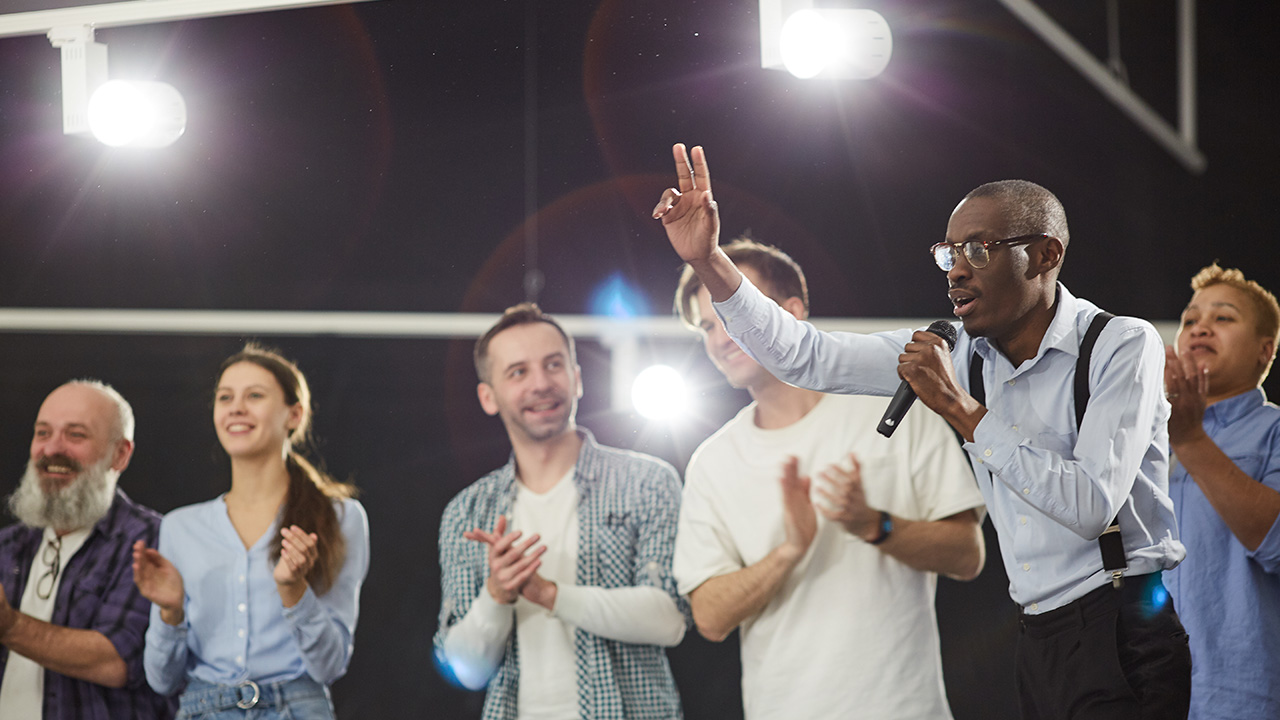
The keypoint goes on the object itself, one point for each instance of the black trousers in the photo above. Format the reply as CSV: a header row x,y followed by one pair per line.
x,y
1114,654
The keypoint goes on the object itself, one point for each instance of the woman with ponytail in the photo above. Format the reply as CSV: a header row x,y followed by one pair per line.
x,y
255,593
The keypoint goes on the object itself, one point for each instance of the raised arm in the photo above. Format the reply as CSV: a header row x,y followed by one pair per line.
x,y
692,220
1246,504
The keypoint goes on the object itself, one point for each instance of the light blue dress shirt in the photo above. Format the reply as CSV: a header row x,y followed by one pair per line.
x,y
236,627
1228,596
1050,490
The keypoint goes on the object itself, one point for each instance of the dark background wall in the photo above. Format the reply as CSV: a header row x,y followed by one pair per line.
x,y
397,155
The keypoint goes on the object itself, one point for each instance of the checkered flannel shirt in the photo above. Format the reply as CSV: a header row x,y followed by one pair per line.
x,y
627,512
96,593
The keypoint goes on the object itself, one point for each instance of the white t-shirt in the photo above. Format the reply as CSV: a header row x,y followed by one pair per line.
x,y
22,689
852,632
548,668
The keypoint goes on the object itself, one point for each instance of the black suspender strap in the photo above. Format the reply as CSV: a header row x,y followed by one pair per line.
x,y
1082,363
1110,544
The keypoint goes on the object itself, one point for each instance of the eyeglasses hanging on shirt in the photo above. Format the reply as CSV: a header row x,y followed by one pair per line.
x,y
51,556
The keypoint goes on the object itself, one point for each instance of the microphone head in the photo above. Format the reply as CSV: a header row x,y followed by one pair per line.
x,y
946,331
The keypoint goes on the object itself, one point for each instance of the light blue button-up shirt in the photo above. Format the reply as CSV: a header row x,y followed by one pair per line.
x,y
1051,490
1227,596
236,627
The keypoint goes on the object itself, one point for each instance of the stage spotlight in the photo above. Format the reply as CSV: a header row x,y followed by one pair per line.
x,y
137,114
831,42
658,393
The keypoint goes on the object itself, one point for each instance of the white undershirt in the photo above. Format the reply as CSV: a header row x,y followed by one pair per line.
x,y
22,688
474,647
548,687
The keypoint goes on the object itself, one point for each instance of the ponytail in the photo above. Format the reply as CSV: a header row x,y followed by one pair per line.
x,y
310,505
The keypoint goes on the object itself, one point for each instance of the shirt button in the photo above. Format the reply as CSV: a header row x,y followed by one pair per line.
x,y
1015,429
1026,491
239,659
980,461
1013,381
1026,567
242,577
987,452
241,633
241,607
1035,606
1022,520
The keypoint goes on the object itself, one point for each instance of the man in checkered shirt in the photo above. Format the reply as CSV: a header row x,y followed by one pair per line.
x,y
71,619
557,591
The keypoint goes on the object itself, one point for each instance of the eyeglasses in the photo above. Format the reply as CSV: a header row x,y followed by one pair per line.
x,y
976,251
44,586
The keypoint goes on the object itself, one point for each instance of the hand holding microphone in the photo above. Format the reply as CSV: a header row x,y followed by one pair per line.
x,y
903,399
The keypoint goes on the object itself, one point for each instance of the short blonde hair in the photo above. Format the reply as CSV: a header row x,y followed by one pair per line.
x,y
1267,309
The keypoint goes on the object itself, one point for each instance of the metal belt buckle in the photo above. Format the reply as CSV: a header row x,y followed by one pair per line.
x,y
244,704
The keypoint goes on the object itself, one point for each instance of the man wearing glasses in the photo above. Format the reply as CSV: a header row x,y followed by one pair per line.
x,y
71,619
1098,639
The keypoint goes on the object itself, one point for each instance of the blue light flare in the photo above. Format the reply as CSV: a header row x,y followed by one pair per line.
x,y
616,298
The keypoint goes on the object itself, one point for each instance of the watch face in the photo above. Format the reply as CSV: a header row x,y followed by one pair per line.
x,y
886,527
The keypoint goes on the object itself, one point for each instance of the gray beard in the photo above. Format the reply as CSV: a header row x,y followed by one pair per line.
x,y
83,502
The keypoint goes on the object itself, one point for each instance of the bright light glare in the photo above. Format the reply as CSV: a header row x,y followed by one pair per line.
x,y
835,43
809,43
137,114
658,393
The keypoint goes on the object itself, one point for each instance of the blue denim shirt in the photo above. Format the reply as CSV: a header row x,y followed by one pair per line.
x,y
1228,596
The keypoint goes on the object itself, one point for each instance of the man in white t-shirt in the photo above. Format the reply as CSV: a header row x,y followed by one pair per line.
x,y
832,581
556,587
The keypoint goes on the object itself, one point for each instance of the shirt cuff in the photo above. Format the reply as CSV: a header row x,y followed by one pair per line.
x,y
1268,553
570,603
994,443
489,611
306,607
171,633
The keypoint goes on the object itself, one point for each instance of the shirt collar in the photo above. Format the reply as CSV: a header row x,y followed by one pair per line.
x,y
585,474
1236,407
1062,334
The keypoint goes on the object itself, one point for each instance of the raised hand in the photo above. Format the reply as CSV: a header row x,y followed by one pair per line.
x,y
1187,388
158,581
798,517
510,564
689,214
298,553
847,501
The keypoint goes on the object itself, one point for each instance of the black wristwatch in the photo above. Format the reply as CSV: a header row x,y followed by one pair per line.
x,y
886,528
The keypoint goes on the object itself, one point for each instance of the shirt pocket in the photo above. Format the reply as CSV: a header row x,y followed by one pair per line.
x,y
1251,464
616,548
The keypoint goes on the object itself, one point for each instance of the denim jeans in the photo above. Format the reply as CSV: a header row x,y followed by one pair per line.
x,y
298,699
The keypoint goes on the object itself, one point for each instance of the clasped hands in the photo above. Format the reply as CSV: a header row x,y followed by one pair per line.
x,y
513,566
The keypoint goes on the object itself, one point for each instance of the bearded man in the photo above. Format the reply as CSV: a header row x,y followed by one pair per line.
x,y
71,619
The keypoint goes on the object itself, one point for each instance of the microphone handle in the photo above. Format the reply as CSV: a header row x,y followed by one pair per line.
x,y
898,406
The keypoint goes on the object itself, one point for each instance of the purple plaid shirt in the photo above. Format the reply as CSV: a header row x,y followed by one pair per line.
x,y
96,593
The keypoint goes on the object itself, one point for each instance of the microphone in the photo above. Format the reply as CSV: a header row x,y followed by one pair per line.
x,y
905,396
